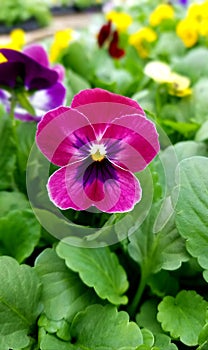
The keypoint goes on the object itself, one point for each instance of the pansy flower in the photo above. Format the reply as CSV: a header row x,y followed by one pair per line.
x,y
111,37
29,73
178,85
99,142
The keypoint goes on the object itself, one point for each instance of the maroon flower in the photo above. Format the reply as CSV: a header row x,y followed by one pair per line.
x,y
104,33
113,49
112,38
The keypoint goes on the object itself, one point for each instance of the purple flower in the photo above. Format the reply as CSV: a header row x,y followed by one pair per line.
x,y
98,142
29,72
183,2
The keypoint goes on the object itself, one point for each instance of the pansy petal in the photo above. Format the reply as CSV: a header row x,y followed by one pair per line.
x,y
131,142
4,99
35,76
38,53
64,135
89,96
101,106
9,71
78,187
65,188
60,70
95,174
45,100
112,189
42,101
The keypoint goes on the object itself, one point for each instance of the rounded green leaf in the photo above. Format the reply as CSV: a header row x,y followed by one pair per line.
x,y
148,337
191,207
98,268
19,303
163,342
19,234
103,327
183,316
63,293
12,201
147,317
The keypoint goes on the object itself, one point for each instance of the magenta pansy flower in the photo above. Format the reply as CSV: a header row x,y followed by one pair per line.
x,y
98,143
29,71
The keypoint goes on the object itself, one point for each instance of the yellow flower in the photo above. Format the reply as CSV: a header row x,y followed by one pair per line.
x,y
141,40
203,27
178,85
2,58
187,31
158,71
121,20
62,38
198,11
161,12
17,40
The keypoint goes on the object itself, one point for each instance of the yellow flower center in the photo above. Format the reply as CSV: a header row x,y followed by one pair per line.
x,y
98,152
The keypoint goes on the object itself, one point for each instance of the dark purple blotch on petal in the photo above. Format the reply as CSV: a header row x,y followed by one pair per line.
x,y
99,170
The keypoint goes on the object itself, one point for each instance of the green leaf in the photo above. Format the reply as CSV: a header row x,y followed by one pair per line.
x,y
155,251
189,64
12,201
183,316
168,45
148,337
200,100
26,138
163,342
98,328
103,327
162,283
147,317
8,157
19,233
98,268
50,342
191,207
63,294
78,58
76,82
202,133
203,338
169,159
60,327
19,303
186,129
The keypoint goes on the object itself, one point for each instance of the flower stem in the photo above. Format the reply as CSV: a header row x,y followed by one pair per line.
x,y
137,298
12,108
14,132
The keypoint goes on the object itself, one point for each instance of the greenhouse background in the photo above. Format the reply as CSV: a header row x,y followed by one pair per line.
x,y
103,175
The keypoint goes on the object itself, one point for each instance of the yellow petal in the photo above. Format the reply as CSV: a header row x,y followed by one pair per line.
x,y
2,58
158,71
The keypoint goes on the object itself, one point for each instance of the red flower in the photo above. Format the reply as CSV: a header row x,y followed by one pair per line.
x,y
113,49
106,33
